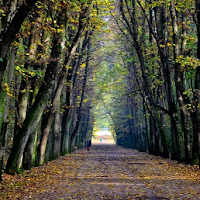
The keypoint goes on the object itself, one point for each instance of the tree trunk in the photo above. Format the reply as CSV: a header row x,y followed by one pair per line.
x,y
75,129
50,118
163,52
183,100
57,135
44,139
5,108
29,152
60,86
146,85
33,117
23,102
7,36
196,119
2,145
64,134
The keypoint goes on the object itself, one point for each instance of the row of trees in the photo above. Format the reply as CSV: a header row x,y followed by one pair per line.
x,y
158,110
44,69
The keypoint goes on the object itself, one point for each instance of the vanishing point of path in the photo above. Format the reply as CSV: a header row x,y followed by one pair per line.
x,y
107,171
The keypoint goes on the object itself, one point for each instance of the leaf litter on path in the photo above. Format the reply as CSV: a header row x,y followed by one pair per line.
x,y
105,172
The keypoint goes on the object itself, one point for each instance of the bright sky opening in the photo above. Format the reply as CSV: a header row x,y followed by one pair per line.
x,y
104,132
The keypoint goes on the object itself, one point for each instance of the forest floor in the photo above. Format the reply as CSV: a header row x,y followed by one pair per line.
x,y
107,171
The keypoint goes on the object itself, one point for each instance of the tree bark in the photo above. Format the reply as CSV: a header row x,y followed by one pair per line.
x,y
75,129
33,117
146,85
29,152
182,99
5,108
60,86
196,119
8,34
57,135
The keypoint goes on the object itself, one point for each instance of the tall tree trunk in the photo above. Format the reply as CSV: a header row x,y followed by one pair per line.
x,y
49,121
5,108
33,117
64,138
61,84
196,119
75,129
183,100
57,135
3,146
29,152
137,45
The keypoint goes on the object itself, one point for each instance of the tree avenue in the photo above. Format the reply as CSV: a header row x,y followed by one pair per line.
x,y
69,68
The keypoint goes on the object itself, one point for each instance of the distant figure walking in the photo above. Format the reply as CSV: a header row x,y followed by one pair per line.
x,y
101,140
89,143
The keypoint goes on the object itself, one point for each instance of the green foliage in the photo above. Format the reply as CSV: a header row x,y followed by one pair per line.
x,y
187,62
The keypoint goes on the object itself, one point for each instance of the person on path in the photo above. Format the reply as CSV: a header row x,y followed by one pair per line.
x,y
89,143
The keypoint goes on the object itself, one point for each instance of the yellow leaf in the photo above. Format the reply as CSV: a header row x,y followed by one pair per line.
x,y
68,67
85,100
23,91
83,65
168,44
59,30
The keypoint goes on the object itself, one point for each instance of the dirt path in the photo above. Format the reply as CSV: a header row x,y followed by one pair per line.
x,y
105,172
